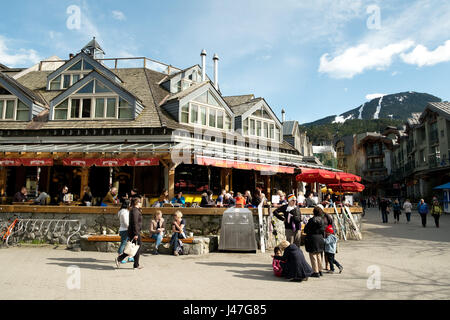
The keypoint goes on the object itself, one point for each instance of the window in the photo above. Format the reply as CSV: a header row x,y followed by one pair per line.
x,y
203,115
89,88
71,75
227,122
55,84
100,107
185,114
258,128
125,110
277,134
194,113
111,107
266,130
252,127
245,126
61,110
220,119
271,135
212,117
23,112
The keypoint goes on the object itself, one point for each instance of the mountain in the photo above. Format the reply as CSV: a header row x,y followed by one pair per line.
x,y
398,106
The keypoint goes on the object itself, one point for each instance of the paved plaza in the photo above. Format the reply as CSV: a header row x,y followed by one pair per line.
x,y
409,261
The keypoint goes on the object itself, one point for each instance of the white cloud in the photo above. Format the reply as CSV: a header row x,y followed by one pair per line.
x,y
118,15
372,96
421,56
356,60
20,57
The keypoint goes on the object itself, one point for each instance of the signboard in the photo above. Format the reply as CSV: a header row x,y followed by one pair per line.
x,y
28,162
112,162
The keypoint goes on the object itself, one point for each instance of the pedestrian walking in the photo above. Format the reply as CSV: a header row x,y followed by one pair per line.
x,y
384,208
397,211
290,214
124,216
330,249
407,206
436,212
134,232
314,243
422,207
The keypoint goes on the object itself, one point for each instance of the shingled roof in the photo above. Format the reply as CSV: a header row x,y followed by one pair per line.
x,y
237,100
35,97
443,108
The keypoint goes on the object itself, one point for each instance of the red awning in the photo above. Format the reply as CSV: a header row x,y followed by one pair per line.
x,y
349,177
244,165
27,162
348,186
112,162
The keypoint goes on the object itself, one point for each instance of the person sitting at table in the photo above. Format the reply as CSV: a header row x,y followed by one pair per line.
x,y
21,196
62,195
220,198
229,200
240,200
134,193
207,200
163,198
87,197
111,197
178,199
248,198
328,202
257,198
41,198
310,202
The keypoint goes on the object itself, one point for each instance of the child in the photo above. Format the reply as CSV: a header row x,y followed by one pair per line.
x,y
330,249
276,264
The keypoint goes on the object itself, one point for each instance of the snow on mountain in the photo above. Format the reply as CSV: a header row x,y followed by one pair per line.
x,y
341,119
377,112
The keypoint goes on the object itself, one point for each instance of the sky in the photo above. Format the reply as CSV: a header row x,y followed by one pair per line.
x,y
312,58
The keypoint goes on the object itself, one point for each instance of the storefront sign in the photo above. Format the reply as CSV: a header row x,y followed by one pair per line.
x,y
224,163
113,162
28,162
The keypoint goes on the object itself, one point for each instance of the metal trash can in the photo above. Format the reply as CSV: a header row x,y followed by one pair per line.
x,y
237,232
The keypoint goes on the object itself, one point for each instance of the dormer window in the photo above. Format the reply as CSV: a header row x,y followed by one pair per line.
x,y
71,75
13,109
261,124
94,100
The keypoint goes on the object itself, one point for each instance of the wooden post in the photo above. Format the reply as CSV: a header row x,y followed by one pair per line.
x,y
171,178
2,180
267,184
84,180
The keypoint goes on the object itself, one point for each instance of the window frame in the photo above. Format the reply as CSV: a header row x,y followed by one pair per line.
x,y
15,99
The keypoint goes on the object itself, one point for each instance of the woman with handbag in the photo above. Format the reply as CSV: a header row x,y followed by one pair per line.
x,y
134,234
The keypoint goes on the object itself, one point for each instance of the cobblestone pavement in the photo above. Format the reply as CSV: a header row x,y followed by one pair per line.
x,y
413,263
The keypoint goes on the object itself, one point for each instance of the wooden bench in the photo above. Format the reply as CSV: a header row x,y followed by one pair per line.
x,y
116,238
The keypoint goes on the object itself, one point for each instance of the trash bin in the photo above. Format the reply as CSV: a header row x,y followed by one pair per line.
x,y
237,232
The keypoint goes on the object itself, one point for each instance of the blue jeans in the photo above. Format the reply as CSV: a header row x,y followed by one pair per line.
x,y
174,241
384,215
158,237
123,240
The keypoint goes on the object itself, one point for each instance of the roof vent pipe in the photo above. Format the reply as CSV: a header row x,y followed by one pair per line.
x,y
216,71
283,115
203,55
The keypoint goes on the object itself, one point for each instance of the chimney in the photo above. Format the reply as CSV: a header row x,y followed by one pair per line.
x,y
283,116
216,70
70,56
203,55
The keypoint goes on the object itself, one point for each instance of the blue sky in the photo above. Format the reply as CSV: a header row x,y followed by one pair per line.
x,y
312,58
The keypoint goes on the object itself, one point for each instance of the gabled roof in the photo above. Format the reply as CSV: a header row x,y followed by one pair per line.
x,y
289,127
442,108
237,100
93,44
81,55
240,109
261,102
180,95
33,96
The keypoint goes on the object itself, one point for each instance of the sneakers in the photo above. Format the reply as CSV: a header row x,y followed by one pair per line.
x,y
124,261
340,269
331,271
139,268
176,253
155,252
117,263
315,275
320,273
130,259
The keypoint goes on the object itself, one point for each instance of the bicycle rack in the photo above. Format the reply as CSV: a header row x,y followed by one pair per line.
x,y
43,226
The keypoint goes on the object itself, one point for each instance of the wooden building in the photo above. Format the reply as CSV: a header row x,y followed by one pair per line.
x,y
85,121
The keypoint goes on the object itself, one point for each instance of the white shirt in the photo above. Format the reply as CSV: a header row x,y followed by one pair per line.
x,y
124,216
407,206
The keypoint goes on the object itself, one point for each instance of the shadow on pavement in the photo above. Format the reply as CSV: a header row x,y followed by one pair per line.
x,y
84,263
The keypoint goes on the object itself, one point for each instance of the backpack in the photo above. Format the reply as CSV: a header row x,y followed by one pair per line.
x,y
277,269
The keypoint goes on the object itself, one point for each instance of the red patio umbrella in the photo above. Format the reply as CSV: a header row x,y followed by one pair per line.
x,y
348,177
318,175
348,187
